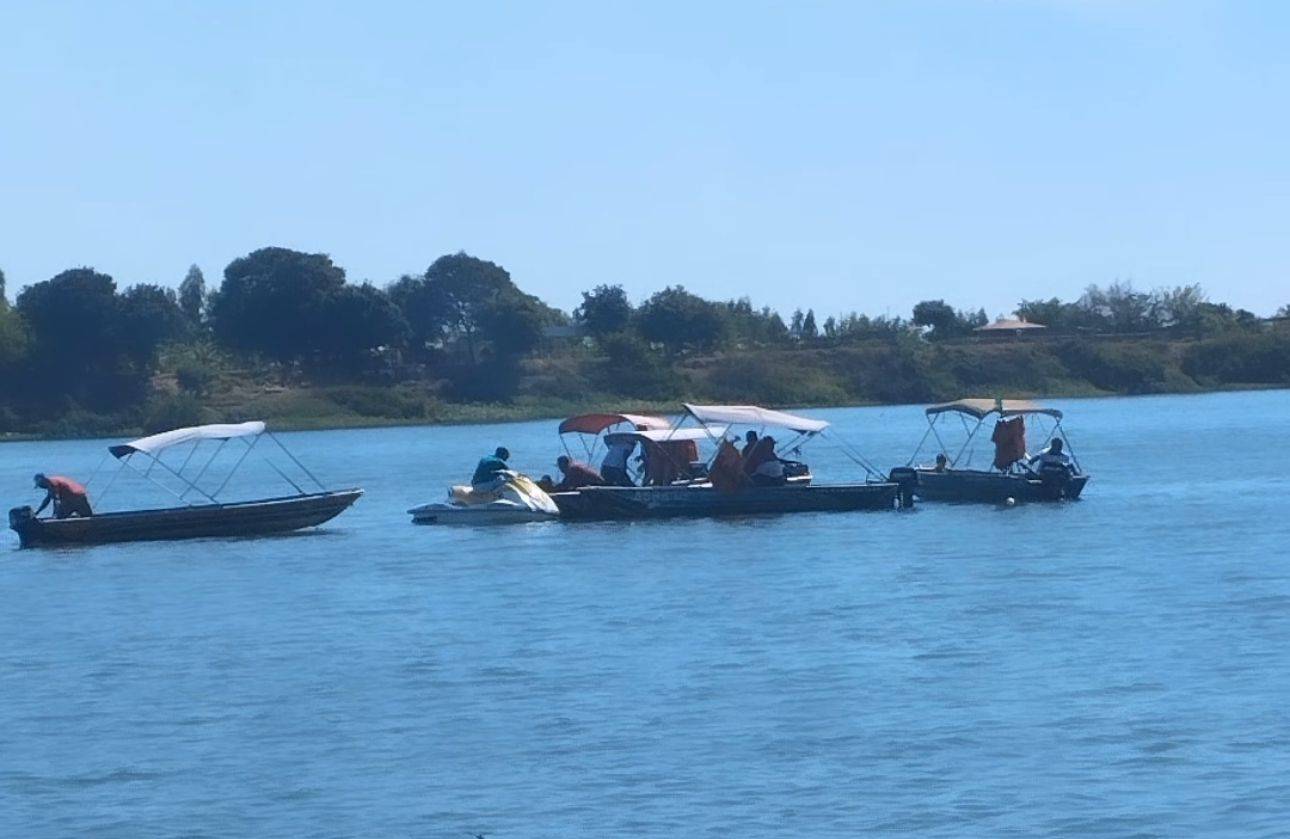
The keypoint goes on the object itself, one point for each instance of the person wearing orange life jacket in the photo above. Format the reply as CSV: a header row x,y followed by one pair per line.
x,y
67,496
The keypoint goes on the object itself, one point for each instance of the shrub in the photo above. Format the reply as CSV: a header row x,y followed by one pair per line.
x,y
385,402
195,377
1241,358
176,411
1127,368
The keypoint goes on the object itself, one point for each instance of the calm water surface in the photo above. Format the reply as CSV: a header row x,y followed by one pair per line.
x,y
1114,666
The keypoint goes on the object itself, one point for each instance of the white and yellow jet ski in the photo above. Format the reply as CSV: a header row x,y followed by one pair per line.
x,y
517,499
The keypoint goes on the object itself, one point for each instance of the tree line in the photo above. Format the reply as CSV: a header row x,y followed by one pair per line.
x,y
78,341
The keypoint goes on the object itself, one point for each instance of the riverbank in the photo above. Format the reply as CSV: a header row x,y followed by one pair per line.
x,y
575,380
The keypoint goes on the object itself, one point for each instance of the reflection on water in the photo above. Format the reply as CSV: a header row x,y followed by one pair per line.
x,y
1116,665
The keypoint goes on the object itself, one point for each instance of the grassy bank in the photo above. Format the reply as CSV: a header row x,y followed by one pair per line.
x,y
908,370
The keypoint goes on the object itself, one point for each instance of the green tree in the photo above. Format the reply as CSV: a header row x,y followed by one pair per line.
x,y
944,321
810,331
677,319
358,322
469,302
13,339
78,350
148,316
423,311
604,310
73,320
192,295
272,301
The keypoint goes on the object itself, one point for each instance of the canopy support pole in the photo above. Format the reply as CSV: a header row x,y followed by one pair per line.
x,y
285,477
233,472
157,461
218,449
148,477
968,442
288,453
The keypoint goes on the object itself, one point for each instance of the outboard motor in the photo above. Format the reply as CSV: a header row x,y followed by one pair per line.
x,y
20,521
906,478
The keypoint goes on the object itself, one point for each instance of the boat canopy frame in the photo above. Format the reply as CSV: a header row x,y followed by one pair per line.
x,y
724,417
981,410
153,447
590,428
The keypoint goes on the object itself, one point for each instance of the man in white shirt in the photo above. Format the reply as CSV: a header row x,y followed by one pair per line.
x,y
614,467
1052,460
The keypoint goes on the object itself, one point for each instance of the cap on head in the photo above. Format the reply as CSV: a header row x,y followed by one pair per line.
x,y
562,461
751,436
40,480
1056,444
502,452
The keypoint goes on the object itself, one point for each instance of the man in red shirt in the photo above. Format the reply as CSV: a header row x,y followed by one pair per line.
x,y
69,497
576,475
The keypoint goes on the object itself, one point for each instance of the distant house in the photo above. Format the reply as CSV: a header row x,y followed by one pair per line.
x,y
1005,328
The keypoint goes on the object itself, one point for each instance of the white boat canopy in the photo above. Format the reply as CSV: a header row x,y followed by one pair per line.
x,y
160,442
669,435
753,415
982,408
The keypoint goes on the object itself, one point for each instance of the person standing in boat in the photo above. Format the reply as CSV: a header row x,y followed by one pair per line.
x,y
614,467
68,497
489,473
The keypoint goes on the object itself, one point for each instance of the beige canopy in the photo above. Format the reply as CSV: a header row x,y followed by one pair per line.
x,y
982,408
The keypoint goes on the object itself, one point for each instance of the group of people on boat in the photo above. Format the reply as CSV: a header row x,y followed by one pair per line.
x,y
758,464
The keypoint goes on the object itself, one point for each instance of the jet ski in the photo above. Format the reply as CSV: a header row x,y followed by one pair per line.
x,y
516,500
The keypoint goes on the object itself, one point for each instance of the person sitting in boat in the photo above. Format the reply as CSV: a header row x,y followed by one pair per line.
x,y
1054,461
614,467
762,465
750,443
489,475
576,475
68,497
942,463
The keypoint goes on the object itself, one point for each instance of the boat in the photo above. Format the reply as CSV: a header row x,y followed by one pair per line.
x,y
1008,477
208,517
703,490
517,501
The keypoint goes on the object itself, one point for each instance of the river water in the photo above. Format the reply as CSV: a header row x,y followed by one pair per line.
x,y
1119,665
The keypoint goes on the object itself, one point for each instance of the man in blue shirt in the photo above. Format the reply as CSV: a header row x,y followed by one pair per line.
x,y
488,473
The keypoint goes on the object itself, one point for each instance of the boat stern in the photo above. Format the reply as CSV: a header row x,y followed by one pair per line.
x,y
23,521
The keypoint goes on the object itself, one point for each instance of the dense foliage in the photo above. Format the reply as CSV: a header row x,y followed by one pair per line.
x,y
287,334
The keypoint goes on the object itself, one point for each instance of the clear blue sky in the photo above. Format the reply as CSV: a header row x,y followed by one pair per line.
x,y
833,155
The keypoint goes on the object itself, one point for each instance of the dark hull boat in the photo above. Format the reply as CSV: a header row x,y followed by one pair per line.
x,y
704,500
1014,476
993,487
246,518
188,520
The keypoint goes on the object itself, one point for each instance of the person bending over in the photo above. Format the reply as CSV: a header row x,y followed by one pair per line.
x,y
67,496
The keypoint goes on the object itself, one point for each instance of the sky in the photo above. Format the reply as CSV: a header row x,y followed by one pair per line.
x,y
837,156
